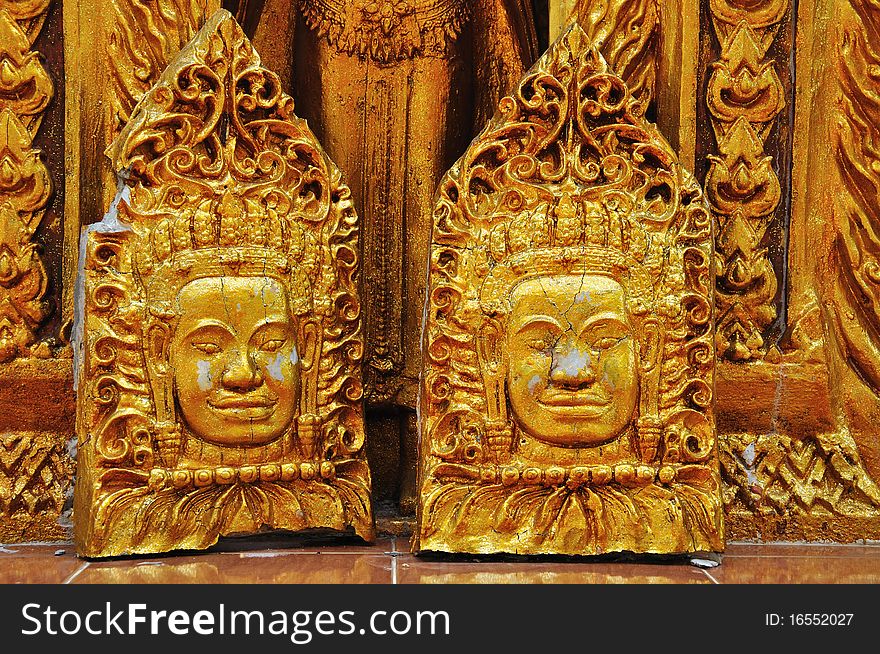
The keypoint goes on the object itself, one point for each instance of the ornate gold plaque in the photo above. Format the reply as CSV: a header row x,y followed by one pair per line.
x,y
567,398
219,384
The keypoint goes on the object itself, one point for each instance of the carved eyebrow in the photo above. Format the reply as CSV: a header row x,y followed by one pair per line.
x,y
210,325
602,320
520,326
271,323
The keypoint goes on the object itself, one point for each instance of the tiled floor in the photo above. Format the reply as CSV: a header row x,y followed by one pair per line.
x,y
389,561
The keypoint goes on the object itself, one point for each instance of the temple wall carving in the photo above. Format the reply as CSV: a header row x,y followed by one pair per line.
x,y
773,105
35,395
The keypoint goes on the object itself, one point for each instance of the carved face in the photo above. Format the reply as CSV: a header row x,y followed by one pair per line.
x,y
234,360
572,375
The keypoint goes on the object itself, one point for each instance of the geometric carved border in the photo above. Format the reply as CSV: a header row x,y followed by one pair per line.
x,y
36,473
782,488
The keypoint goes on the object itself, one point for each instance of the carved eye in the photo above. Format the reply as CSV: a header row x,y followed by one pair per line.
x,y
207,347
608,342
272,344
539,344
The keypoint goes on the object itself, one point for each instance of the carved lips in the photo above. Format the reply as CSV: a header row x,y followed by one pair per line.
x,y
244,407
575,402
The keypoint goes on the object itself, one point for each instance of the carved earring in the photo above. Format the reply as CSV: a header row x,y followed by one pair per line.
x,y
309,422
648,427
167,437
493,365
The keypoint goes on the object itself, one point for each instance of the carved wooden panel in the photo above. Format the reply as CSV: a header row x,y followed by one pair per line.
x,y
35,399
568,384
809,470
25,185
219,379
745,97
116,50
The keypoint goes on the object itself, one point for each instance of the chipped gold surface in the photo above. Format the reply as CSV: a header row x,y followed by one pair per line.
x,y
567,393
219,388
115,50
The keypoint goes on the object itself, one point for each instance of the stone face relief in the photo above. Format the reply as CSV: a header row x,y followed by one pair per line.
x,y
567,397
219,384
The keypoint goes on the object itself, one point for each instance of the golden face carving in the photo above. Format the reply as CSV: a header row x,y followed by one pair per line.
x,y
566,403
234,360
221,377
573,370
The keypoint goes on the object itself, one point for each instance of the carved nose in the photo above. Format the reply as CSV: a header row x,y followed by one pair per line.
x,y
572,367
241,373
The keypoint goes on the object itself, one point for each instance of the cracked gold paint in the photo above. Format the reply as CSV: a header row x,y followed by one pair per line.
x,y
219,384
563,357
226,370
569,362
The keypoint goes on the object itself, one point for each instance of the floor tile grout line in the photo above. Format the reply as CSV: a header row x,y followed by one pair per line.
x,y
76,573
708,574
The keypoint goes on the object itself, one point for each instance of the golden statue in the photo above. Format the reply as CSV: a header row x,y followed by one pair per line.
x,y
219,384
395,90
568,384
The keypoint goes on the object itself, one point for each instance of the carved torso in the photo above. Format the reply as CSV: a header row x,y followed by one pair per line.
x,y
388,30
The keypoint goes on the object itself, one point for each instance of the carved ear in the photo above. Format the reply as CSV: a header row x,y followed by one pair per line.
x,y
650,344
493,365
308,344
157,346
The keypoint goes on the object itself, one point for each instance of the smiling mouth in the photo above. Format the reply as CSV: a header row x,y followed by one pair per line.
x,y
244,407
575,402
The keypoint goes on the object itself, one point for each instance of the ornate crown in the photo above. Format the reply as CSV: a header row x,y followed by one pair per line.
x,y
228,235
225,179
576,234
568,178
